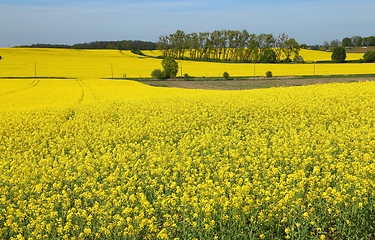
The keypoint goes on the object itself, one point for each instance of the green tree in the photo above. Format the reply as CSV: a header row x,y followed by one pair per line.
x,y
347,42
280,45
369,41
265,42
186,76
338,54
225,45
269,74
357,41
335,43
157,74
252,49
170,67
226,75
298,59
369,57
303,46
269,56
291,47
164,45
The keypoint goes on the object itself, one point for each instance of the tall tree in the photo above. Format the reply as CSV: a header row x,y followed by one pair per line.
x,y
371,41
280,45
291,47
228,45
266,41
269,56
233,38
170,67
202,39
243,39
252,50
347,42
357,41
215,37
194,46
164,45
179,44
335,43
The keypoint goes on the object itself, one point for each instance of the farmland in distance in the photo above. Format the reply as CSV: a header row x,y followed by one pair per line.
x,y
68,63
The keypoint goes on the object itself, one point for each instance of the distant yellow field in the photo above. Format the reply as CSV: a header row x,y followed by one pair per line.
x,y
18,62
314,55
75,63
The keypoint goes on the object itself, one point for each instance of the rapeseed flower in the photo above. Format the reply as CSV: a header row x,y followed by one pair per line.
x,y
119,159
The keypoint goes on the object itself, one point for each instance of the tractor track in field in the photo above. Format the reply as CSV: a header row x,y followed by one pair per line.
x,y
90,90
84,89
34,83
82,96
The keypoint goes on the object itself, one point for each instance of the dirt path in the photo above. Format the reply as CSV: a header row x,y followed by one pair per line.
x,y
251,83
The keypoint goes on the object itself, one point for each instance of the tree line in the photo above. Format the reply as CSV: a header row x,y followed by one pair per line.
x,y
120,45
358,41
230,45
354,41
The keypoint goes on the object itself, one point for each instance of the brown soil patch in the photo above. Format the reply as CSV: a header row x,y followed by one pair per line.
x,y
251,83
360,49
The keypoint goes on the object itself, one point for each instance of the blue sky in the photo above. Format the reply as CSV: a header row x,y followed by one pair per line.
x,y
69,22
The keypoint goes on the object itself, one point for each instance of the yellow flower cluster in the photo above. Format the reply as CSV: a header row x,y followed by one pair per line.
x,y
68,63
105,159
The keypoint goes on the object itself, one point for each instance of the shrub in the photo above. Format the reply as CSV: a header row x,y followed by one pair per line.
x,y
269,56
138,52
355,61
338,54
186,76
269,74
287,60
226,75
170,67
157,74
368,57
298,59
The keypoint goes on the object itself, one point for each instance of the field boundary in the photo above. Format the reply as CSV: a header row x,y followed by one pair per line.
x,y
36,78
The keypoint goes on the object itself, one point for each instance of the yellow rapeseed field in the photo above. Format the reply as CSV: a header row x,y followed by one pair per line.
x,y
68,63
314,55
75,63
115,159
